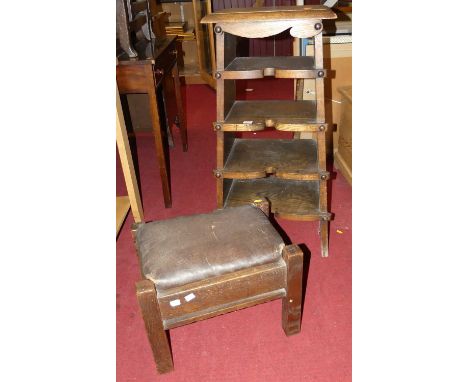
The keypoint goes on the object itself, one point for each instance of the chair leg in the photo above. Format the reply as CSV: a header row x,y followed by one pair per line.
x,y
292,303
157,336
324,236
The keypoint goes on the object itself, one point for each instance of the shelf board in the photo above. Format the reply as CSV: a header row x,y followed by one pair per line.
x,y
279,67
289,199
286,158
282,115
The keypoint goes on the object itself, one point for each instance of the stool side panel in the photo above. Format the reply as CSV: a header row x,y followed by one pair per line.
x,y
229,289
223,309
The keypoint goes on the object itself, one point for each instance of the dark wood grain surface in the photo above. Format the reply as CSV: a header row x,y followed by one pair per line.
x,y
292,303
287,158
216,293
157,336
282,115
291,199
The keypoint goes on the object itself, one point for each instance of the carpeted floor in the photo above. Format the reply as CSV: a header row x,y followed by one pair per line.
x,y
247,345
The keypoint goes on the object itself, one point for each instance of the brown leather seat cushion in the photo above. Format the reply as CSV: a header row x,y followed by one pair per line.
x,y
190,248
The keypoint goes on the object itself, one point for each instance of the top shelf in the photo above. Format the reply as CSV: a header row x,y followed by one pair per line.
x,y
236,15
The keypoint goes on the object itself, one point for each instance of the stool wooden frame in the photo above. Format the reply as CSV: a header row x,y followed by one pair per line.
x,y
222,294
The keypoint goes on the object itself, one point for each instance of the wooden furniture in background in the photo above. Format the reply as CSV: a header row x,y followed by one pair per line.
x,y
133,199
233,259
149,66
344,154
291,174
196,43
138,20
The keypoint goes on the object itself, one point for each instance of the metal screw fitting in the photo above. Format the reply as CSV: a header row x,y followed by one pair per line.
x,y
159,71
217,75
318,26
217,174
174,51
218,127
218,29
322,128
320,73
323,177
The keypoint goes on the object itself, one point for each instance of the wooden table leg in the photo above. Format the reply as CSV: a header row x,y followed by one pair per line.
x,y
158,139
157,336
292,303
182,123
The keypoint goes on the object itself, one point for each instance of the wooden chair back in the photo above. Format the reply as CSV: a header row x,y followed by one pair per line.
x,y
139,21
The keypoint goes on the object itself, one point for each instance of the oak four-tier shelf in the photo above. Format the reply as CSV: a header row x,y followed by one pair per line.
x,y
290,173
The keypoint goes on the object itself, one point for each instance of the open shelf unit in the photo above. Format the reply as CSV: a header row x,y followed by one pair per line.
x,y
194,42
290,173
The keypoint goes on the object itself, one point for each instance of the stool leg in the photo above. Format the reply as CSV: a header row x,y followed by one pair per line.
x,y
180,107
292,303
157,336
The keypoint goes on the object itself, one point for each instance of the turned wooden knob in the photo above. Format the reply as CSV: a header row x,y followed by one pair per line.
x,y
269,123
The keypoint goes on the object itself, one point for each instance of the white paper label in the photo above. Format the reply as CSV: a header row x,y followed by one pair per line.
x,y
174,303
189,297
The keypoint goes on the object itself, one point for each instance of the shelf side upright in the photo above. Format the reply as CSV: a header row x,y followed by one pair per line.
x,y
321,144
225,97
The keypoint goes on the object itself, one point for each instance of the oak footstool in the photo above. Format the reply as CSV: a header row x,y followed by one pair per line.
x,y
200,266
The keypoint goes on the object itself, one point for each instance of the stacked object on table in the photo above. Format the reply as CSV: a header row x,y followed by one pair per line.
x,y
179,29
